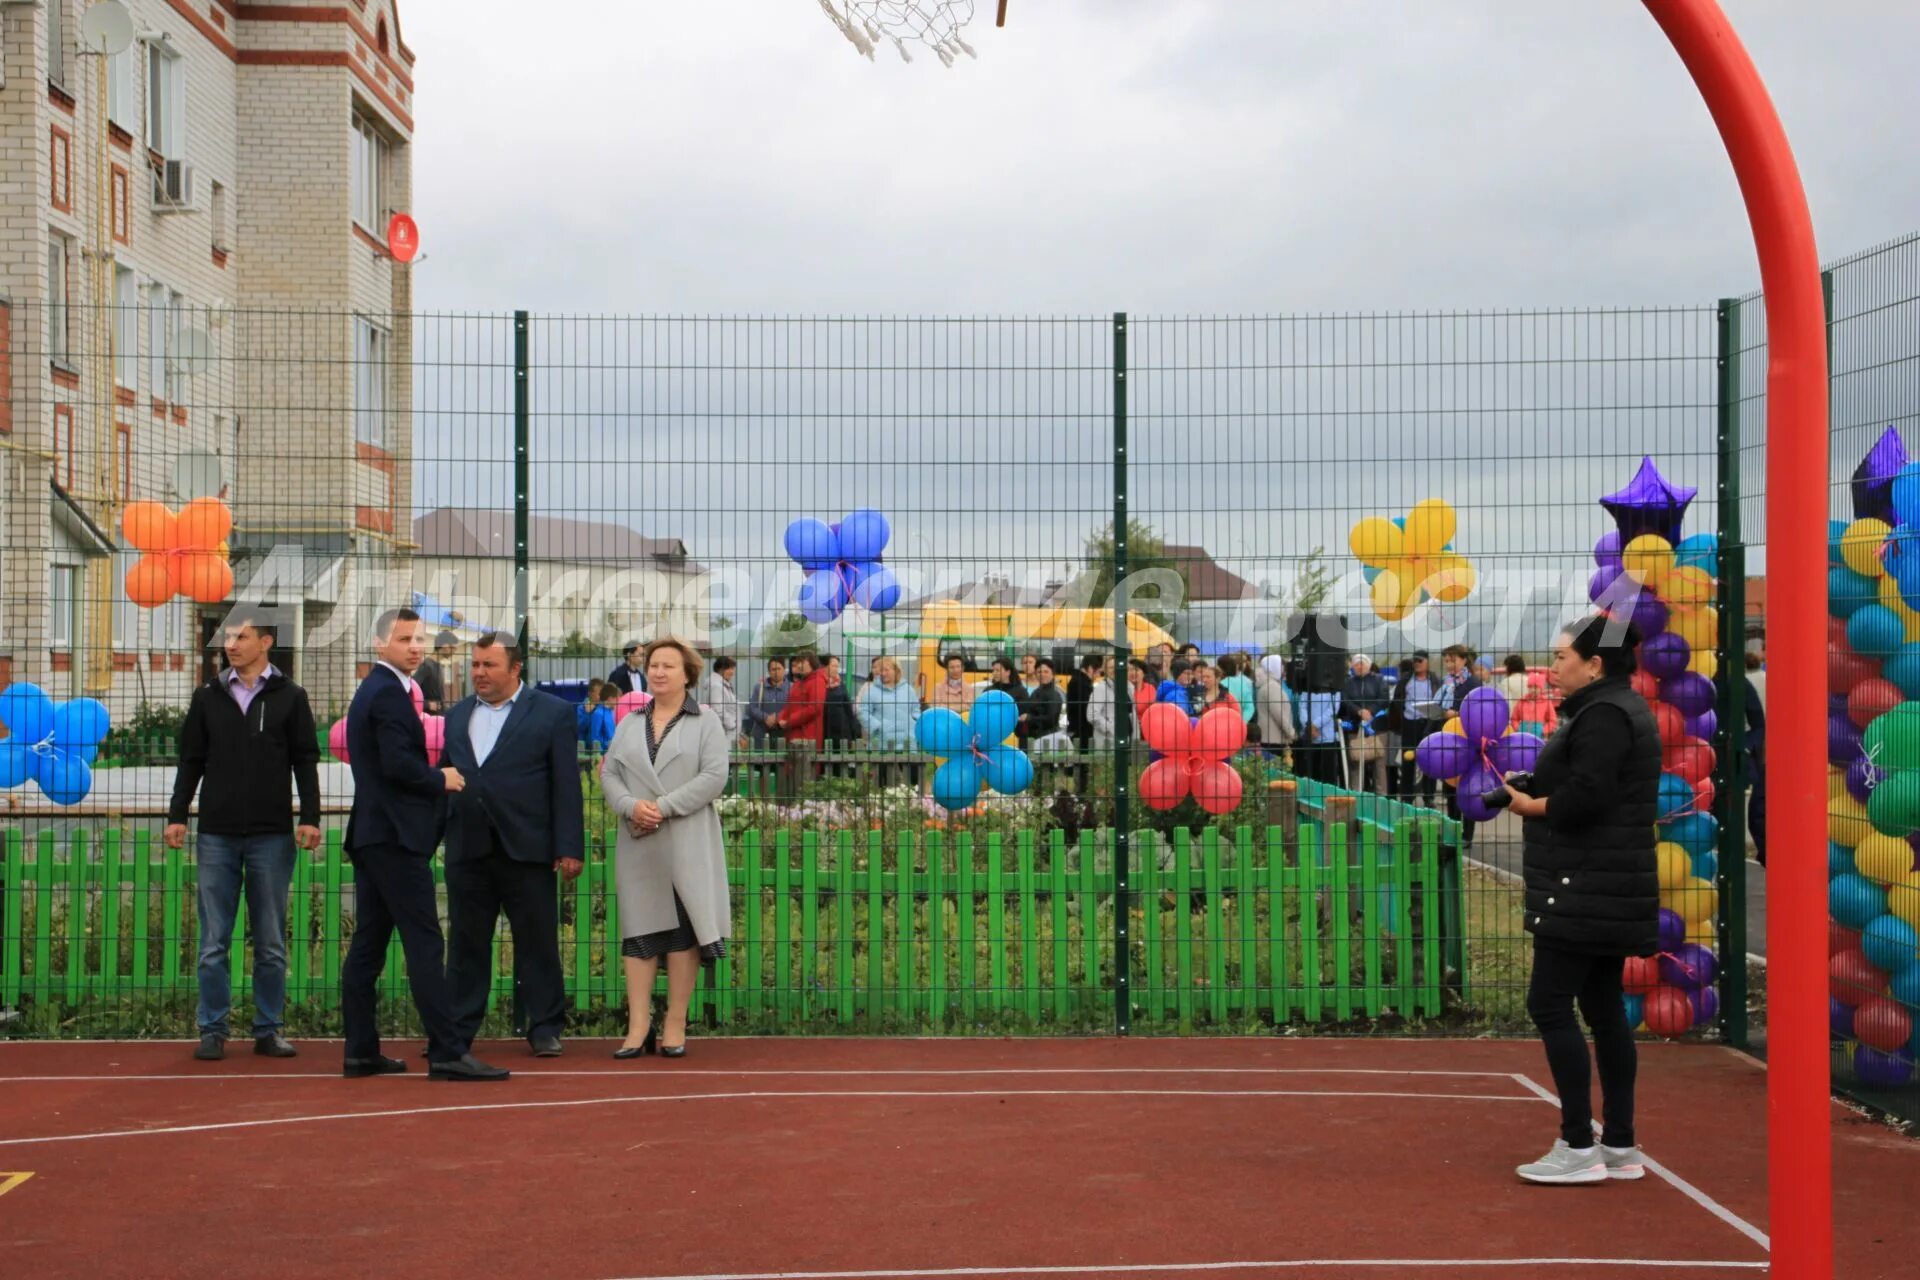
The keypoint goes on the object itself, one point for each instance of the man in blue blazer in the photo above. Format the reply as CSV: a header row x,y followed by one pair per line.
x,y
399,810
515,825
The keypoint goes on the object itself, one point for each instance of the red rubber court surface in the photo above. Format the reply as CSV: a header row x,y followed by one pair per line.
x,y
880,1158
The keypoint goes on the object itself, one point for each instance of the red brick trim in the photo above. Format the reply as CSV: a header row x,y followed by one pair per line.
x,y
374,456
121,138
219,18
60,157
361,670
373,519
220,258
60,97
65,378
231,6
204,26
329,13
6,672
326,58
122,184
126,662
62,661
156,661
177,662
125,396
179,415
159,408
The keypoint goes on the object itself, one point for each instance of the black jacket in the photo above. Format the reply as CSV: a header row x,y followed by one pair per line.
x,y
1079,693
399,798
1589,864
526,797
1040,712
1368,693
243,767
842,723
626,678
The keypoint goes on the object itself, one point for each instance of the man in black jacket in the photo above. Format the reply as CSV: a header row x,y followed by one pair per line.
x,y
1040,709
516,824
248,730
1079,695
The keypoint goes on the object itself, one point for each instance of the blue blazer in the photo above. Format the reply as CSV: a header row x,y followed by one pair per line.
x,y
399,799
527,794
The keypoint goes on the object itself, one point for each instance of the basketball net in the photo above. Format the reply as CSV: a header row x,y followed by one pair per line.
x,y
935,23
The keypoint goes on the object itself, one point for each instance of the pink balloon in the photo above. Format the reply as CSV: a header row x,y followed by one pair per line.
x,y
436,727
630,703
1219,733
337,740
1217,786
1167,729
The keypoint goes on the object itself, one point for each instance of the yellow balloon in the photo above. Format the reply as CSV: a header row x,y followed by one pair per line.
x,y
1700,628
1705,935
1847,823
1453,726
1861,544
1837,787
1689,585
1389,599
1695,901
1676,865
1453,581
1376,541
1414,574
1883,859
1430,526
1704,661
1648,559
1903,899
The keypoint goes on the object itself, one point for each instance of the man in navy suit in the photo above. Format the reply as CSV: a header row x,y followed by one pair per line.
x,y
399,810
515,825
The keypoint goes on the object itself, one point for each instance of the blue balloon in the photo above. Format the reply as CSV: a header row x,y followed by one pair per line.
x,y
956,784
1906,494
812,543
993,718
17,764
1706,865
1008,770
1699,551
1848,592
1676,795
66,779
89,754
863,535
1891,944
27,712
1400,523
1839,861
81,723
1905,986
1370,573
1854,900
1874,631
1695,832
941,732
822,596
1903,668
874,586
1836,530
1636,1009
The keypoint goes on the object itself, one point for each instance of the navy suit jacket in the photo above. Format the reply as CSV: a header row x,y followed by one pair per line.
x,y
399,799
527,794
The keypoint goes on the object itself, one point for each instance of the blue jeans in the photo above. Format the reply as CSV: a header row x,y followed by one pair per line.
x,y
267,862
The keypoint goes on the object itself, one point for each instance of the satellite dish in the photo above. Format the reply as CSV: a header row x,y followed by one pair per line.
x,y
198,475
107,28
195,345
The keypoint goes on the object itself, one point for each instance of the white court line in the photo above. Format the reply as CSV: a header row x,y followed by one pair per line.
x,y
1673,1179
629,1072
790,1094
1289,1264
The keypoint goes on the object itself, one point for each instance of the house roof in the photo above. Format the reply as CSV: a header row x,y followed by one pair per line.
x,y
1206,580
79,526
476,533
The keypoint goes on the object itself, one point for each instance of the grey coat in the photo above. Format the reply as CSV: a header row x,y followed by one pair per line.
x,y
1273,713
686,854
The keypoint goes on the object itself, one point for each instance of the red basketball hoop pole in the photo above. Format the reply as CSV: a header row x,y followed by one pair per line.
x,y
1799,1117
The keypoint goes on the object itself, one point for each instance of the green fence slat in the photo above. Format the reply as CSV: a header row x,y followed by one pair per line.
x,y
877,1002
106,975
755,908
1246,916
13,940
809,922
331,926
175,862
936,847
142,908
783,1002
43,919
582,980
1029,929
843,924
1309,900
1402,916
1216,927
904,990
997,921
1274,876
1431,918
1341,920
1061,949
1153,974
76,887
1183,926
969,927
300,929
1372,995
1089,913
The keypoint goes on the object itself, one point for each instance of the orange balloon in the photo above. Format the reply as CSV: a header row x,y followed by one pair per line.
x,y
149,526
203,525
149,582
202,575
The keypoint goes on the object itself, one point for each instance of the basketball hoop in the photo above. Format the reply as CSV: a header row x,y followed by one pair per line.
x,y
934,23
403,238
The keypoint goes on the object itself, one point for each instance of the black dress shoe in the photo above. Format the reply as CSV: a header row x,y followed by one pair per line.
x,y
466,1067
644,1047
212,1049
274,1045
546,1046
379,1065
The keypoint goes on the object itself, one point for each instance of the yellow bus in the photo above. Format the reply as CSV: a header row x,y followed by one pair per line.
x,y
980,633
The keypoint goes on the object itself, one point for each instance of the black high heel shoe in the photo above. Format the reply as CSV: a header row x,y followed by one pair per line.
x,y
645,1046
674,1050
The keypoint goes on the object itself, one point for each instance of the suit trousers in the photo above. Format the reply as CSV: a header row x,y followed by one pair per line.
x,y
393,889
480,885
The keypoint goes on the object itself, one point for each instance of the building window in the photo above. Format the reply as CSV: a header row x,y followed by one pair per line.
x,y
122,104
122,206
369,156
220,241
126,329
166,102
369,384
166,374
126,614
60,155
57,42
60,601
63,446
59,315
380,34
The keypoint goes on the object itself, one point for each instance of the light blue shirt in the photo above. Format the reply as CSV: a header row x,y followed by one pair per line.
x,y
1320,710
483,727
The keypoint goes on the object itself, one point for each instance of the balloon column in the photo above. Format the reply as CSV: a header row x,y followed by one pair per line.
x,y
1476,750
184,554
972,750
53,746
1665,583
435,727
843,564
1193,758
1873,752
1410,558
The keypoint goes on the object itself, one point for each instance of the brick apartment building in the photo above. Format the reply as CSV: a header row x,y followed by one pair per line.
x,y
195,298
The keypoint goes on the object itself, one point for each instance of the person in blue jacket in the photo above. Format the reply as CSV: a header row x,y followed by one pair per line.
x,y
600,724
1177,688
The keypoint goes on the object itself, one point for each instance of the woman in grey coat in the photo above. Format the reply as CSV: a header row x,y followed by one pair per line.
x,y
665,768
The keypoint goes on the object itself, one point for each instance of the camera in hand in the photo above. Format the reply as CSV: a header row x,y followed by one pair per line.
x,y
1501,798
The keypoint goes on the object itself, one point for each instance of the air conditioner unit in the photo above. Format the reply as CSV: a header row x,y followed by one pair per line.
x,y
173,186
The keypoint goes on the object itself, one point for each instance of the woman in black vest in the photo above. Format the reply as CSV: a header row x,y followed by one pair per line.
x,y
1592,892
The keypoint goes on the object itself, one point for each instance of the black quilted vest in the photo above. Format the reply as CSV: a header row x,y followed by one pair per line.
x,y
1596,889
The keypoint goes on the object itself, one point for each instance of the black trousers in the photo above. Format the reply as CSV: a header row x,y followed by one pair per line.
x,y
479,888
1560,979
393,889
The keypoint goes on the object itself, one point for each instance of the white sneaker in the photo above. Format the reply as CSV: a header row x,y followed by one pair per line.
x,y
1564,1166
1623,1163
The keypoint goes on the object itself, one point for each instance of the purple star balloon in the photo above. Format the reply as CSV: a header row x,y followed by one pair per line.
x,y
1649,505
1873,478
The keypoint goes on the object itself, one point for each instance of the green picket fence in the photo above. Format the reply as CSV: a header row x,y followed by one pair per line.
x,y
869,930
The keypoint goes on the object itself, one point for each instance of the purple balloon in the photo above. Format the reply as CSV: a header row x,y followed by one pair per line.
x,y
1689,967
1881,1070
1673,930
1840,1018
1690,692
1843,741
1649,505
1861,776
1703,726
1606,552
1913,842
1873,478
1475,785
1665,655
1706,1005
1443,755
1484,714
1601,586
1516,753
1836,704
1649,615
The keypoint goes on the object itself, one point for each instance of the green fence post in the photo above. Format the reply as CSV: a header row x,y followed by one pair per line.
x,y
969,930
1122,724
843,924
522,479
10,894
1730,764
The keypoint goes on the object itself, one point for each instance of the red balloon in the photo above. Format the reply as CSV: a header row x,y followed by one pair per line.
x,y
1642,975
1673,725
1703,796
1836,632
1851,980
1845,669
1219,733
1646,686
1882,1024
1872,698
1217,786
1840,938
1692,759
1163,784
1669,1012
1166,728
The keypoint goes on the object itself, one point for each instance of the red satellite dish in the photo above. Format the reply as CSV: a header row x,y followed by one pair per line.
x,y
403,238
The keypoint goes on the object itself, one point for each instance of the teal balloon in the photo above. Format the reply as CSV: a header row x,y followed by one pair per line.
x,y
27,712
1636,1009
81,723
1699,551
1836,530
1875,631
941,732
1890,943
1839,861
1903,668
1906,494
1676,795
1706,865
1370,573
994,715
1400,523
1008,770
956,784
1855,901
1848,592
65,778
17,764
1697,833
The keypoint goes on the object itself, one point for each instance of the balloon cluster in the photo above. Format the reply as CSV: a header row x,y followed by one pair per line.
x,y
1665,583
843,564
1476,750
1873,751
1193,758
1409,558
435,728
53,746
973,751
181,555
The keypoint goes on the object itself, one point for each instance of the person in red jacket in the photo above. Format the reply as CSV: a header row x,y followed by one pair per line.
x,y
804,717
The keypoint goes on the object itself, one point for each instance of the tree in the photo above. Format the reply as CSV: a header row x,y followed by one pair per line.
x,y
788,634
576,645
1146,554
1313,585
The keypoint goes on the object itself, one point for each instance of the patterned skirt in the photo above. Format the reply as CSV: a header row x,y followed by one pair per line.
x,y
651,946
